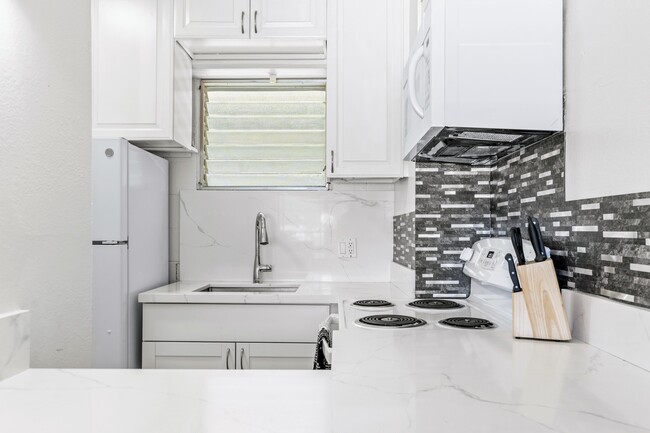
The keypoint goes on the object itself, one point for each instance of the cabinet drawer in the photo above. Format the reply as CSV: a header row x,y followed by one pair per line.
x,y
232,322
276,356
188,355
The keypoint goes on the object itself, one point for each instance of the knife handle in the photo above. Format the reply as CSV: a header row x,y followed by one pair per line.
x,y
518,245
512,269
535,233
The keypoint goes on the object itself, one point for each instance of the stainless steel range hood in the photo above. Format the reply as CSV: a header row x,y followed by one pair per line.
x,y
472,146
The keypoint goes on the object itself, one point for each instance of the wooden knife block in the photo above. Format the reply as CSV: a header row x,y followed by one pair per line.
x,y
538,311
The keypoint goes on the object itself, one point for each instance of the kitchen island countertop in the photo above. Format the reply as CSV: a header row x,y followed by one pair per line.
x,y
407,380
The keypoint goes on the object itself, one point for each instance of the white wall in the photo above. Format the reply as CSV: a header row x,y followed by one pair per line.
x,y
607,80
45,261
212,232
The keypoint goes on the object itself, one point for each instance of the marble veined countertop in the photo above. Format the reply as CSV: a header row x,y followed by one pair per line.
x,y
408,380
308,292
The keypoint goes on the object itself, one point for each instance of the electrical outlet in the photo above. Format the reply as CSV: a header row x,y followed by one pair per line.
x,y
348,248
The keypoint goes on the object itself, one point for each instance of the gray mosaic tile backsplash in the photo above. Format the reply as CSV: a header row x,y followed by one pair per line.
x,y
452,211
599,246
404,240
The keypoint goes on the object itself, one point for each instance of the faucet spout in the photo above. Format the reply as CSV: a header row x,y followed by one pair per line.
x,y
261,238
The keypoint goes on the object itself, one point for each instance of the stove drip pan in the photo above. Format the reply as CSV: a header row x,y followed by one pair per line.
x,y
392,321
435,304
467,323
372,303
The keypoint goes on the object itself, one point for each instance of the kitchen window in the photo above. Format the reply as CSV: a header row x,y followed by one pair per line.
x,y
263,135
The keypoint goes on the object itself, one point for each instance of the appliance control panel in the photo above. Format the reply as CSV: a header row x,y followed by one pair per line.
x,y
489,259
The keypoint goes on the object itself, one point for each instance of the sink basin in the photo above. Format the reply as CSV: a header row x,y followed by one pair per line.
x,y
250,288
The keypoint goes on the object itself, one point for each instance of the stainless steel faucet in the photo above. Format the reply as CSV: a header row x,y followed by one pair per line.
x,y
261,238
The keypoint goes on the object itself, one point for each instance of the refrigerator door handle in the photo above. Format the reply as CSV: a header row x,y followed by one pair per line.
x,y
110,242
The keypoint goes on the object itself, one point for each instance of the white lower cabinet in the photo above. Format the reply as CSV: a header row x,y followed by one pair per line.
x,y
230,336
172,355
228,356
276,356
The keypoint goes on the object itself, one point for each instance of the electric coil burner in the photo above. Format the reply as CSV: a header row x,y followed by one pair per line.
x,y
372,303
435,304
392,321
467,323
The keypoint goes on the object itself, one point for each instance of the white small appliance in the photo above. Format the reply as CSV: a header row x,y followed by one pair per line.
x,y
483,80
130,201
485,264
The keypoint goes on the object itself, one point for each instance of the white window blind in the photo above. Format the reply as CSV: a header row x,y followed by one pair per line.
x,y
263,135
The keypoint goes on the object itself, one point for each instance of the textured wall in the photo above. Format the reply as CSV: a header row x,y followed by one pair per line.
x,y
45,253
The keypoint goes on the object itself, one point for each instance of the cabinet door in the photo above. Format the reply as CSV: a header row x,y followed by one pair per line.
x,y
132,69
172,355
275,356
212,18
364,69
288,18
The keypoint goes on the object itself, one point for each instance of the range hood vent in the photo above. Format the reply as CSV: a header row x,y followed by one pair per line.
x,y
474,146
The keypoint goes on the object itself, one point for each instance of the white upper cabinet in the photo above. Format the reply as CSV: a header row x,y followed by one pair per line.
x,y
288,18
212,18
364,69
250,19
142,80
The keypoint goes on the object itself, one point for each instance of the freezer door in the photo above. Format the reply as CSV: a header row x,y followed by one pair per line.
x,y
148,236
109,190
110,288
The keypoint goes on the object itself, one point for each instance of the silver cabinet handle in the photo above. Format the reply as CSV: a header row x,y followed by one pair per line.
x,y
242,21
332,163
241,359
228,359
255,21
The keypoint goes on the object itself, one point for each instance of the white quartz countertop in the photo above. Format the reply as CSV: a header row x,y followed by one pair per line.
x,y
408,380
308,292
403,381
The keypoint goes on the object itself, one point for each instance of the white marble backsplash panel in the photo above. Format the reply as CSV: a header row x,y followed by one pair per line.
x,y
14,343
304,228
620,329
403,277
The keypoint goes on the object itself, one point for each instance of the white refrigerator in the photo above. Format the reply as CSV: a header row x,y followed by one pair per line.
x,y
130,237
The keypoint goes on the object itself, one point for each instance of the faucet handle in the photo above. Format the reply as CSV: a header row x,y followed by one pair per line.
x,y
265,268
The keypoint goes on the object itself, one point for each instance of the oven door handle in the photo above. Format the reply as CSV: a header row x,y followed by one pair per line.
x,y
327,351
417,56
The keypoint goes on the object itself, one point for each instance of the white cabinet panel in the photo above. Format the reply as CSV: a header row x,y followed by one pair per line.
x,y
138,70
212,18
288,18
275,356
188,355
232,322
364,68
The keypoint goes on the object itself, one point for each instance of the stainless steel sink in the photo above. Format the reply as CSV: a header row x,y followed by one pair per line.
x,y
249,288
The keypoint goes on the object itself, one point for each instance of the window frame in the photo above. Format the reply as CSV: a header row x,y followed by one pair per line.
x,y
201,185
